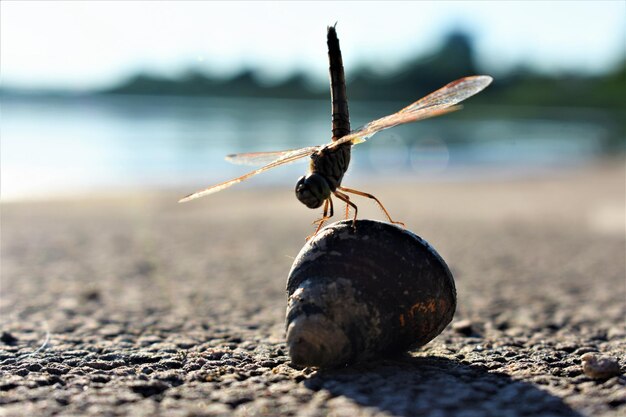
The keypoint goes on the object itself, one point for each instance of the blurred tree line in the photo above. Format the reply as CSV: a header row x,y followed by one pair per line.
x,y
454,59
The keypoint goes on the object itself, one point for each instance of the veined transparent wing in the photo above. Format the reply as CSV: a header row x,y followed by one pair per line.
x,y
440,102
258,158
284,157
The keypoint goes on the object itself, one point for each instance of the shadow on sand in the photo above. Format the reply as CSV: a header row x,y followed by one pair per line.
x,y
435,386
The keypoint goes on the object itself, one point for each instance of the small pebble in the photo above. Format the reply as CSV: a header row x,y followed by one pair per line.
x,y
463,327
8,339
92,295
597,367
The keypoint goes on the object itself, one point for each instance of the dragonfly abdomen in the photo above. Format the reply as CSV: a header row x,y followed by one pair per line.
x,y
339,98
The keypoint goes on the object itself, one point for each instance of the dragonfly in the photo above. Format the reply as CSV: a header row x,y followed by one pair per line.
x,y
329,162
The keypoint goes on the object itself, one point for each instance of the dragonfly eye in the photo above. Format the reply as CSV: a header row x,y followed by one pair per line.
x,y
312,190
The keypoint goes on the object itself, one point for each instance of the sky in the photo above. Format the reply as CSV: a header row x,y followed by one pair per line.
x,y
85,45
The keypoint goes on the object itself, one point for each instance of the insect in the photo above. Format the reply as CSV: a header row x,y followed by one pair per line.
x,y
329,162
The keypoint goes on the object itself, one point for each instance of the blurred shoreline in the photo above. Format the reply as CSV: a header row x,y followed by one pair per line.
x,y
93,143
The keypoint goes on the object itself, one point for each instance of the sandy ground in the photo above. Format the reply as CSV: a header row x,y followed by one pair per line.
x,y
135,305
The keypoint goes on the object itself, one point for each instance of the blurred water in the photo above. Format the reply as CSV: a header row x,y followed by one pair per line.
x,y
53,146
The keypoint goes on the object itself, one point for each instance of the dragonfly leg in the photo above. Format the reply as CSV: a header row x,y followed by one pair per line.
x,y
361,193
324,214
328,204
343,197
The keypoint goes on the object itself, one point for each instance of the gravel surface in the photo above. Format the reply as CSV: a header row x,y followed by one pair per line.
x,y
138,306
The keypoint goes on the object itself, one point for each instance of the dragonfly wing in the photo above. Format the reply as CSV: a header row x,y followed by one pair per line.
x,y
287,157
452,93
258,158
370,129
440,102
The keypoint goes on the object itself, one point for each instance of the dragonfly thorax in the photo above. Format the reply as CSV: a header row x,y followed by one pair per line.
x,y
312,190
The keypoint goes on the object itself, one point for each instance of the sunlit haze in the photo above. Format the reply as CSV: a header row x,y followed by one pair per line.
x,y
82,45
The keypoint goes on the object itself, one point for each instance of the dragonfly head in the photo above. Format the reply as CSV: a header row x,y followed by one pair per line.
x,y
312,190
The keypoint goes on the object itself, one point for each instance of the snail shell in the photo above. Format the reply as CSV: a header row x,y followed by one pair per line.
x,y
357,293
